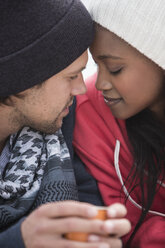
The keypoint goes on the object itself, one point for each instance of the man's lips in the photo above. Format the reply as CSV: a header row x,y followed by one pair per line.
x,y
70,104
67,107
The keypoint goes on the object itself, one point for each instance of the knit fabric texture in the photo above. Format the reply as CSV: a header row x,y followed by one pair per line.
x,y
38,39
139,22
39,171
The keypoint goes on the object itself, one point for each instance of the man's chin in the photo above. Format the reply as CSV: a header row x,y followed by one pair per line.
x,y
47,127
52,128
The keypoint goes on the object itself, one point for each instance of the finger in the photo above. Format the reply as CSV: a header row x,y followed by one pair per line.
x,y
113,242
116,210
71,224
67,208
117,227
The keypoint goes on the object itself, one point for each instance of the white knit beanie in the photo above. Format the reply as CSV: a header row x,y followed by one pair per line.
x,y
141,23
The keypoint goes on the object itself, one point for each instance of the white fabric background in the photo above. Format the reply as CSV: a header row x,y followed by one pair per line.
x,y
91,66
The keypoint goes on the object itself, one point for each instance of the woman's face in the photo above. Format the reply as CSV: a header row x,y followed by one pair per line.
x,y
129,81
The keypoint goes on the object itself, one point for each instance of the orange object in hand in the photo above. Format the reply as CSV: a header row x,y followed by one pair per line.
x,y
81,236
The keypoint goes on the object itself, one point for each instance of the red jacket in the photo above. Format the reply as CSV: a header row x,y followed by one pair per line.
x,y
101,142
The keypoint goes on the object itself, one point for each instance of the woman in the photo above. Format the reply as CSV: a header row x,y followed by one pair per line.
x,y
119,132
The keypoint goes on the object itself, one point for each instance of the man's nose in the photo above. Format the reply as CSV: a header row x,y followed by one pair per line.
x,y
79,87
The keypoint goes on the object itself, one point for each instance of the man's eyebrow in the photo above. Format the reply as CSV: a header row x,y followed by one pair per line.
x,y
109,56
79,70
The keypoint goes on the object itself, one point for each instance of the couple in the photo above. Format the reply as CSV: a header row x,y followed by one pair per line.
x,y
119,128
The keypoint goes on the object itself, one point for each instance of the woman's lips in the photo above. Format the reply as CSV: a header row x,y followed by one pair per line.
x,y
111,101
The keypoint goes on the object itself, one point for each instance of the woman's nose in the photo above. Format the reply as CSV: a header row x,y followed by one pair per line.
x,y
102,82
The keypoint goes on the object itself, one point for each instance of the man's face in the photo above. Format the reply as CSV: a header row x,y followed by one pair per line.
x,y
44,106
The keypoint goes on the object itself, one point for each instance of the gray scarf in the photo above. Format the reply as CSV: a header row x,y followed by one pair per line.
x,y
39,171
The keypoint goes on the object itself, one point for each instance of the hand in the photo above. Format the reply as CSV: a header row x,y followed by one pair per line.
x,y
45,226
118,226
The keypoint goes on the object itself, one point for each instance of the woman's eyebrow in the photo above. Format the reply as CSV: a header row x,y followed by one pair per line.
x,y
109,56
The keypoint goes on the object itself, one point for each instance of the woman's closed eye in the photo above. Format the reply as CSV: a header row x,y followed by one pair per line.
x,y
115,72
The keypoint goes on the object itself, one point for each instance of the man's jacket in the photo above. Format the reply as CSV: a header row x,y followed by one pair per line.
x,y
87,187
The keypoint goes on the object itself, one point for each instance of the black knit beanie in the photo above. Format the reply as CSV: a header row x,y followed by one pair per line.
x,y
38,39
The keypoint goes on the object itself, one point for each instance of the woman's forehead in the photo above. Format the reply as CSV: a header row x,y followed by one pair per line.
x,y
107,42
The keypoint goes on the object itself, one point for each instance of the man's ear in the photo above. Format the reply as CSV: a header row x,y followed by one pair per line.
x,y
11,100
5,101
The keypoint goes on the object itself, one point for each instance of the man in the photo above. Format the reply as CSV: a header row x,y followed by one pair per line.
x,y
42,54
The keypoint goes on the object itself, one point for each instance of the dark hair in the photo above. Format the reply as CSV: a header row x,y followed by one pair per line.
x,y
3,100
147,137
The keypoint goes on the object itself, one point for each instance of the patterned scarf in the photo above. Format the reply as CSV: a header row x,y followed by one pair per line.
x,y
39,171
